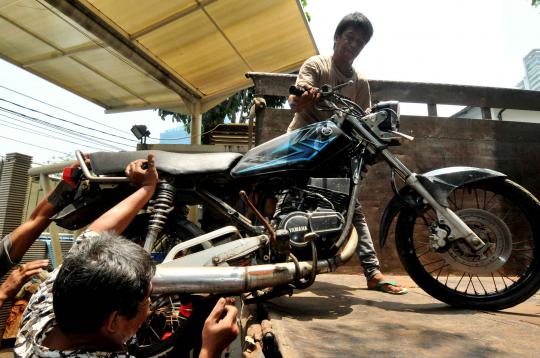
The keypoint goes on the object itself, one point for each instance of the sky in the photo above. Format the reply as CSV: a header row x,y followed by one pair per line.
x,y
469,42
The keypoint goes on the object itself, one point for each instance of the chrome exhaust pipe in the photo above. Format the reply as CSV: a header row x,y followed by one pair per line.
x,y
234,279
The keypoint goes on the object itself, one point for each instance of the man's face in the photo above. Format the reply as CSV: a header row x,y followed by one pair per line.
x,y
349,44
131,326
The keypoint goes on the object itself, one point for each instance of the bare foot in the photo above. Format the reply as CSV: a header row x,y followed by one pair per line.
x,y
375,283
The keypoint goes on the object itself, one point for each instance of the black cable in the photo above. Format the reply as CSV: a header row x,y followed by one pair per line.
x,y
69,135
65,110
62,128
35,145
48,135
83,136
65,120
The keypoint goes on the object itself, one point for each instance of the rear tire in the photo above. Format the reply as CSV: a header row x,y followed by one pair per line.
x,y
166,332
504,215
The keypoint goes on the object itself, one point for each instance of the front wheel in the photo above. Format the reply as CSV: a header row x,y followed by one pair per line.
x,y
503,274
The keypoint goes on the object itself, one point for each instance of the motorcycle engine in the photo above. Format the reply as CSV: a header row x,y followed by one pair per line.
x,y
319,209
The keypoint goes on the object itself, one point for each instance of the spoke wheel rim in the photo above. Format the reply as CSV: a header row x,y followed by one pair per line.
x,y
495,234
471,282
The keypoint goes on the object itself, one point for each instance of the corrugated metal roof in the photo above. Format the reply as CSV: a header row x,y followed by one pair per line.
x,y
126,54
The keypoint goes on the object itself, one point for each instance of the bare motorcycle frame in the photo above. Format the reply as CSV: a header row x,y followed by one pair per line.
x,y
482,253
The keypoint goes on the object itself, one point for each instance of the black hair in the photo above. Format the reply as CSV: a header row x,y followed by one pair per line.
x,y
100,275
358,21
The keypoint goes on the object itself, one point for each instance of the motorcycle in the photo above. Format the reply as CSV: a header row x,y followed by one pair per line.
x,y
282,213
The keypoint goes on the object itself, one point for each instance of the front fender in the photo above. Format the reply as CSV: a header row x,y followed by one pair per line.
x,y
440,183
407,198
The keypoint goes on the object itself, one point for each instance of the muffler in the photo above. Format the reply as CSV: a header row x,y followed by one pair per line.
x,y
234,279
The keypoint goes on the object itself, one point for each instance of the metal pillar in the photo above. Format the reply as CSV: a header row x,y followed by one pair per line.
x,y
57,258
196,124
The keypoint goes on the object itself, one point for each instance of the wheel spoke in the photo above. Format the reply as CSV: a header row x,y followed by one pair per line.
x,y
503,218
433,262
425,252
520,242
481,284
439,268
502,278
486,207
472,284
476,197
494,283
523,255
508,278
467,288
455,289
529,249
154,332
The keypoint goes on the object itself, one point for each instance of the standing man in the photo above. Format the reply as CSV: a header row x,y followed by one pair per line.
x,y
352,33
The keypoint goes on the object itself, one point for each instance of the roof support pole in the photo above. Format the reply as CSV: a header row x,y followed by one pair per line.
x,y
196,123
57,258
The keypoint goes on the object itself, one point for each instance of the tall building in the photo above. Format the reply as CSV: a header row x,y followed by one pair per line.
x,y
176,135
532,71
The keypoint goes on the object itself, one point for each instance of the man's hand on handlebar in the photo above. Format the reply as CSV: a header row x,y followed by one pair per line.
x,y
303,97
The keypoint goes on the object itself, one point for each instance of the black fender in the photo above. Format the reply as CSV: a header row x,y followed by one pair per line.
x,y
89,204
440,183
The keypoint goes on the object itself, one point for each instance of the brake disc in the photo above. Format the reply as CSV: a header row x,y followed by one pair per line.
x,y
493,231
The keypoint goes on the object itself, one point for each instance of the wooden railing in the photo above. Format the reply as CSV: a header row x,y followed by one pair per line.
x,y
431,94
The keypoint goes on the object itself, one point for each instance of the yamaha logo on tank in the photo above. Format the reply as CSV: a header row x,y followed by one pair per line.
x,y
326,131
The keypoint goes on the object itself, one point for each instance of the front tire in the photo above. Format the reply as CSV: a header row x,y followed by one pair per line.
x,y
506,273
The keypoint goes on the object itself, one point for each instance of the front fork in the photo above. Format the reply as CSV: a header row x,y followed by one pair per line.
x,y
457,226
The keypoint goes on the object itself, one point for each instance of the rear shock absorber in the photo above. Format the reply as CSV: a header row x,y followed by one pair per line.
x,y
163,205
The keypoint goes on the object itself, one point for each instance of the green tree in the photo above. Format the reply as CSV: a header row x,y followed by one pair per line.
x,y
234,108
535,2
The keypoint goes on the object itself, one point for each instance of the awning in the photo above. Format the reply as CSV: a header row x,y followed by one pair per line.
x,y
128,55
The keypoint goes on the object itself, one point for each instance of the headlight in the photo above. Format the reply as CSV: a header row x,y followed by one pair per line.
x,y
391,109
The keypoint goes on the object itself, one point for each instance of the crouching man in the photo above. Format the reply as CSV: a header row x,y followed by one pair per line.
x,y
100,296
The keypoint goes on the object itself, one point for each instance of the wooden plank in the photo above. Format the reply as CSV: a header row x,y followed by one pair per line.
x,y
418,92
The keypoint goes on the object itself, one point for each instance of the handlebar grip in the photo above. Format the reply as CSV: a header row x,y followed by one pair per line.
x,y
297,91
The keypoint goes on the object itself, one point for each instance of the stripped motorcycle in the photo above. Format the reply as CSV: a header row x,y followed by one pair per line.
x,y
282,213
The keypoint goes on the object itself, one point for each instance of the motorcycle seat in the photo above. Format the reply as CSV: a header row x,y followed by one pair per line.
x,y
114,163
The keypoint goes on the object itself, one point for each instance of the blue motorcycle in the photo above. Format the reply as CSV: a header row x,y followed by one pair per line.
x,y
282,213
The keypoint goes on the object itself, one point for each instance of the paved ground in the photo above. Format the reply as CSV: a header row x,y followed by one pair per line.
x,y
338,317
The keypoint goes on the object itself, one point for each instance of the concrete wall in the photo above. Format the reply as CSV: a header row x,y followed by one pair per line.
x,y
513,115
510,147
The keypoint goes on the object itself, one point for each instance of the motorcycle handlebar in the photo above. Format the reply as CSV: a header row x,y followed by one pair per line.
x,y
297,91
324,90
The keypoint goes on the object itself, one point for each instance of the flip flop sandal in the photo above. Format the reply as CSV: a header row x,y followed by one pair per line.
x,y
380,287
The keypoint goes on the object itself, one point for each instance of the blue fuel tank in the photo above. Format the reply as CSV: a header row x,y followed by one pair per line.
x,y
302,149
